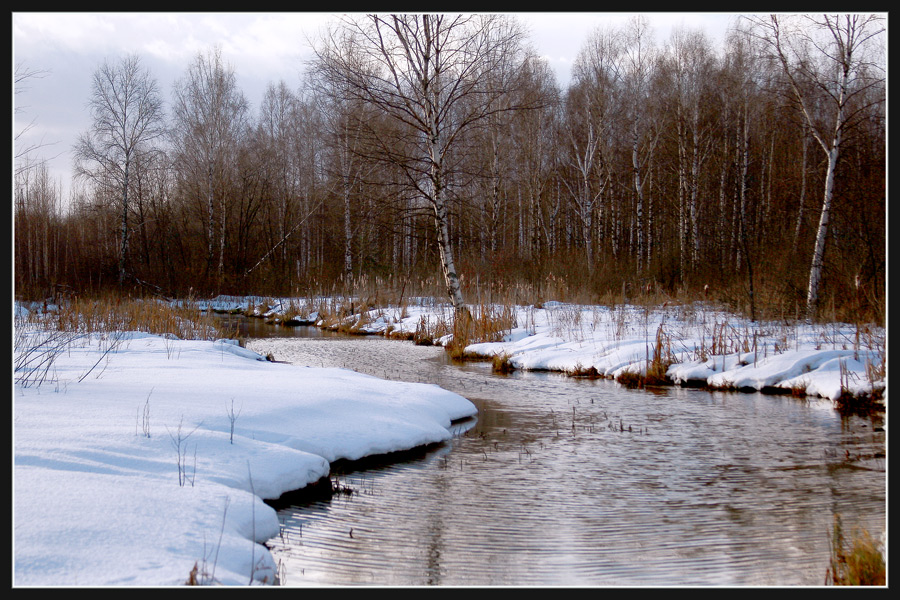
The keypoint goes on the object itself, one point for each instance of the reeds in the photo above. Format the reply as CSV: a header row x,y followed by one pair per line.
x,y
658,365
502,363
43,334
481,323
112,314
655,371
860,564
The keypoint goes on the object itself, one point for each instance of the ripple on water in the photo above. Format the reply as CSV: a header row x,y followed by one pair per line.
x,y
572,482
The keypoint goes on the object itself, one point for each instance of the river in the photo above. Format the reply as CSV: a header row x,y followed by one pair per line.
x,y
570,482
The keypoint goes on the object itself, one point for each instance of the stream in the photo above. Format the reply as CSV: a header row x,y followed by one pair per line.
x,y
562,481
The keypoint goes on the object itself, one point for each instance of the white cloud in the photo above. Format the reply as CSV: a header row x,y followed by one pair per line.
x,y
263,48
76,32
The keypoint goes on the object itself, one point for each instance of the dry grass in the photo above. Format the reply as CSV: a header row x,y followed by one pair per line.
x,y
44,334
662,359
502,364
630,379
876,341
657,365
860,564
482,323
111,314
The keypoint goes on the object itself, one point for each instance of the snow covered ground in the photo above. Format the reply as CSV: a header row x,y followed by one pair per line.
x,y
126,470
137,457
700,345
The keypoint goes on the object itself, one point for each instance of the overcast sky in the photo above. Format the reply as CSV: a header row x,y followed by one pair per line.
x,y
263,48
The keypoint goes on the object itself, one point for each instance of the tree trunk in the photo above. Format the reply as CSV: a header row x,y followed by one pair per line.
x,y
802,202
695,190
348,234
209,217
815,272
124,248
639,194
744,236
442,225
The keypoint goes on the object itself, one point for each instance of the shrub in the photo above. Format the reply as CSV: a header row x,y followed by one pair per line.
x,y
862,564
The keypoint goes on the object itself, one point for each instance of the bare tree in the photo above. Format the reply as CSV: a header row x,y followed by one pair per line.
x,y
426,73
535,146
38,218
690,61
585,132
276,134
638,62
22,156
210,119
343,119
127,118
828,64
593,103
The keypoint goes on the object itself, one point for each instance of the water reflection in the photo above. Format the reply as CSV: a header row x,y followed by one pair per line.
x,y
255,328
577,482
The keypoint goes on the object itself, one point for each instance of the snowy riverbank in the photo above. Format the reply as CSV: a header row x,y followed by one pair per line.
x,y
697,345
139,457
126,470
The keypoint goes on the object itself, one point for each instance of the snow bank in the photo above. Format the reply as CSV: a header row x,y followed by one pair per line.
x,y
127,472
700,345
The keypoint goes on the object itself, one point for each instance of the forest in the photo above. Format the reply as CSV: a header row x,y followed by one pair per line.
x,y
438,155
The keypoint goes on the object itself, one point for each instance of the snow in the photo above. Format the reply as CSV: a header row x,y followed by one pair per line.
x,y
126,471
702,345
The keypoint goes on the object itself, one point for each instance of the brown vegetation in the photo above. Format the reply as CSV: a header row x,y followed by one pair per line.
x,y
111,313
726,209
862,563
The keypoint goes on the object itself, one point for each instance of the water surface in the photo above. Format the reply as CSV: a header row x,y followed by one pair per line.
x,y
563,481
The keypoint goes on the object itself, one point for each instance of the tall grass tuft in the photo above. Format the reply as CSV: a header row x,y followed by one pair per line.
x,y
111,314
501,363
42,335
658,366
862,564
481,323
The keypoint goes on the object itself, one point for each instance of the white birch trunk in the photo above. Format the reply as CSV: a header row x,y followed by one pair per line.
x,y
815,271
124,248
639,193
442,225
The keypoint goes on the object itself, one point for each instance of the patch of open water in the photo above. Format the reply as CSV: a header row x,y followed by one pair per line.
x,y
570,482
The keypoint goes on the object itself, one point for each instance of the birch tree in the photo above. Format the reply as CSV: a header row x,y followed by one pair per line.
x,y
638,62
127,118
587,164
690,60
210,115
593,103
277,132
424,72
535,146
343,119
829,67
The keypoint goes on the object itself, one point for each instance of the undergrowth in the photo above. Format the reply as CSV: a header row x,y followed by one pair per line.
x,y
859,564
43,332
110,314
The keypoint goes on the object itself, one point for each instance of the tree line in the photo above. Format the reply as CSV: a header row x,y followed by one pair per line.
x,y
431,152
